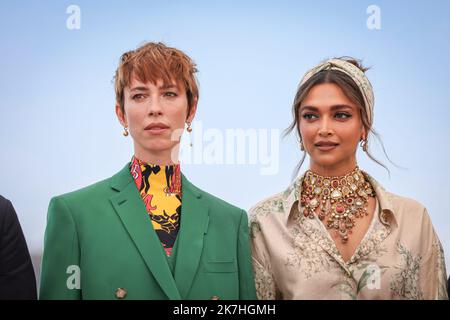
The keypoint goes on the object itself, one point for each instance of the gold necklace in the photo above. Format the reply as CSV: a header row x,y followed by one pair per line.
x,y
340,199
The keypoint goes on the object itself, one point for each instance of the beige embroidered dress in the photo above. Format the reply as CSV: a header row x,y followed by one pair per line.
x,y
294,257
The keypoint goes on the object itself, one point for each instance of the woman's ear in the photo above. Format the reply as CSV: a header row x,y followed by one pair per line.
x,y
121,116
364,134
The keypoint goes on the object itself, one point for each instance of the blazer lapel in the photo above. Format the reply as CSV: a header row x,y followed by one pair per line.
x,y
131,210
193,227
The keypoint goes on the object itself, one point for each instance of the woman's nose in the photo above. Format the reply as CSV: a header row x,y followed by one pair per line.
x,y
325,129
155,107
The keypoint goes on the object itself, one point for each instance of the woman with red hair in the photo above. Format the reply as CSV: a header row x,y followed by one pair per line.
x,y
148,232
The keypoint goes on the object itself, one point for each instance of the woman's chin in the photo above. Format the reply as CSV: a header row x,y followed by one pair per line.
x,y
325,160
160,145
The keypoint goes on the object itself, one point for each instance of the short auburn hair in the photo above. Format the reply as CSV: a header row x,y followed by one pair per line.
x,y
153,61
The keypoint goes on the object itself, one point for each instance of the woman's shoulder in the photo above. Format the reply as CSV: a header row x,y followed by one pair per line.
x,y
414,223
404,202
97,190
403,207
407,210
274,204
215,202
103,188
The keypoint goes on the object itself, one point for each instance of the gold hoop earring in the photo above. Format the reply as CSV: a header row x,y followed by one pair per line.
x,y
125,132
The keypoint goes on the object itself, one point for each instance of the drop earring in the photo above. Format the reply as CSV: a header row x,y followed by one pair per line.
x,y
189,130
125,132
364,145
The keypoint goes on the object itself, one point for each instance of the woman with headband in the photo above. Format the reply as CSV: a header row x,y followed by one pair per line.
x,y
336,233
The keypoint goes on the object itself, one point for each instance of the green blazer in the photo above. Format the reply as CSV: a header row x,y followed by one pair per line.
x,y
100,238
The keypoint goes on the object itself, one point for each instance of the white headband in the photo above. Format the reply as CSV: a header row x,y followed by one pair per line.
x,y
353,72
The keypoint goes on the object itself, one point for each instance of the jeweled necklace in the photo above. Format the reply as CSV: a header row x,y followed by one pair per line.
x,y
340,199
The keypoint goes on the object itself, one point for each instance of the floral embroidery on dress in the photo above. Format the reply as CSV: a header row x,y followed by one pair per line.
x,y
263,209
439,268
308,257
264,283
254,228
405,284
268,207
313,229
372,244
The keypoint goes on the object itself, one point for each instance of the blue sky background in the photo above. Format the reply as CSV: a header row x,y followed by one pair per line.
x,y
59,131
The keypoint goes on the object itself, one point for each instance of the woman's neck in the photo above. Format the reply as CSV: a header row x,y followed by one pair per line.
x,y
336,170
158,158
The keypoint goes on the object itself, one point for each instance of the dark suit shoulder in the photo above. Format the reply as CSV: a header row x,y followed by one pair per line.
x,y
7,214
17,279
3,201
5,204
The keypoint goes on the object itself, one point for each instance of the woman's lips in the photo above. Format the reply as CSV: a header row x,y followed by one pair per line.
x,y
326,146
157,130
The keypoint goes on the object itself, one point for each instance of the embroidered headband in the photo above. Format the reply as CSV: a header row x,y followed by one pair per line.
x,y
353,72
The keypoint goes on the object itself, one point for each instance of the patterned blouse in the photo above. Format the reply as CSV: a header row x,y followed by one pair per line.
x,y
160,189
294,257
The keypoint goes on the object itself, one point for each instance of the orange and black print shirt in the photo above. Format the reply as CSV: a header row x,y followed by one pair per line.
x,y
160,189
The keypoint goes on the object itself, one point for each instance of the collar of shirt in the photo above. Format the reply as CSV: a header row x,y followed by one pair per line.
x,y
161,177
314,228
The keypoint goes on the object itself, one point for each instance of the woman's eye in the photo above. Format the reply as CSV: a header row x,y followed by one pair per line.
x,y
170,94
138,96
343,115
308,116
